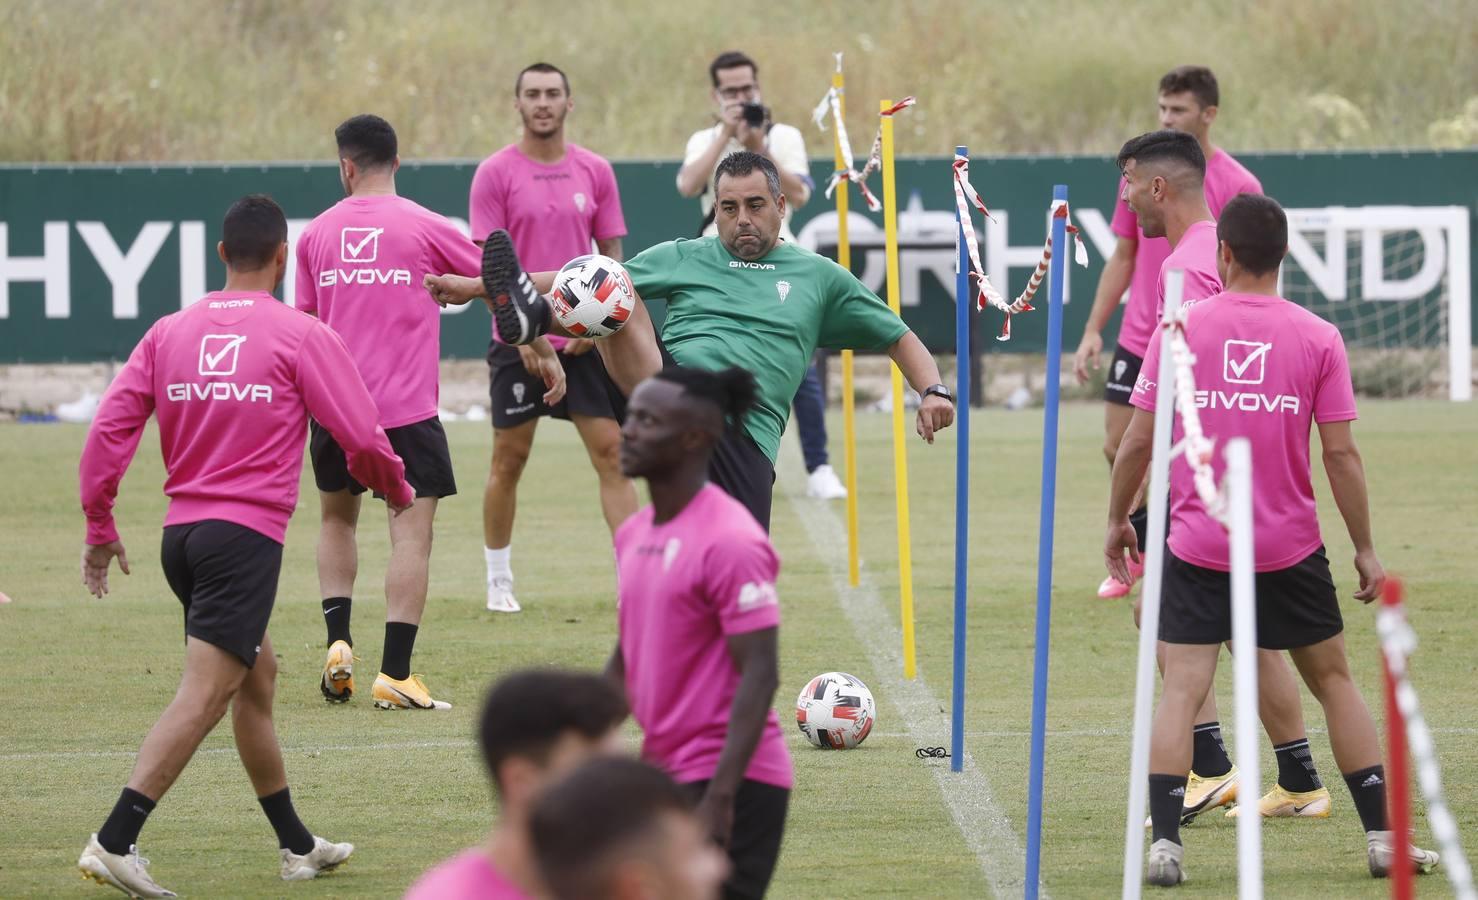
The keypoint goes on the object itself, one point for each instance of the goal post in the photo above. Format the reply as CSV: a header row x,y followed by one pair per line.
x,y
1396,280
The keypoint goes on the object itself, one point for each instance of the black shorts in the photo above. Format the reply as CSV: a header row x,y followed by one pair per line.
x,y
420,445
754,844
739,467
226,577
517,396
1122,374
1296,606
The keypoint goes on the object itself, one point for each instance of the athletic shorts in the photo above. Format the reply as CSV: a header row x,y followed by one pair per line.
x,y
226,578
1296,606
517,396
1122,374
739,467
420,445
754,844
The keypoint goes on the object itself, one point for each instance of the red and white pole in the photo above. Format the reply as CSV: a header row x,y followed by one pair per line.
x,y
1398,791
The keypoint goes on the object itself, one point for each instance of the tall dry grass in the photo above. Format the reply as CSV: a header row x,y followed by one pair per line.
x,y
136,80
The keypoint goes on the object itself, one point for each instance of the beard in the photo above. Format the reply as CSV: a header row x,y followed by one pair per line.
x,y
543,127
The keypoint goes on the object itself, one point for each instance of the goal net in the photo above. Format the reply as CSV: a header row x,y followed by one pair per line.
x,y
1396,281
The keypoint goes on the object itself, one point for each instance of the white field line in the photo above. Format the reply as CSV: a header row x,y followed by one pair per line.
x,y
967,795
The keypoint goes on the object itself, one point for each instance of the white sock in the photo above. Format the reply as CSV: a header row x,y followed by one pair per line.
x,y
498,562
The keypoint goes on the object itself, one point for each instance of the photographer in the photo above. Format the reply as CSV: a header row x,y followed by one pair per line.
x,y
745,123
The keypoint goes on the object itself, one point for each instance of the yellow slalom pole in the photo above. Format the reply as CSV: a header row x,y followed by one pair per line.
x,y
900,448
849,406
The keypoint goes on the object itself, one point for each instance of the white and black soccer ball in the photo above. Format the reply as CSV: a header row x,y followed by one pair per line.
x,y
835,711
592,296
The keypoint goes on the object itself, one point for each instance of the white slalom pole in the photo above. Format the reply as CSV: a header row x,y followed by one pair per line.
x,y
1149,610
1244,665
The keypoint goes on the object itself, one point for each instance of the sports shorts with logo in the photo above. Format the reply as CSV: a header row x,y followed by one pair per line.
x,y
1296,606
516,396
226,578
421,446
1122,373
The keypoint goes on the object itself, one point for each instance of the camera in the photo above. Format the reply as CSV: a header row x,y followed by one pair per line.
x,y
755,114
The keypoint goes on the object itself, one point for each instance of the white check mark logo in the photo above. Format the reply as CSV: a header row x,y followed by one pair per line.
x,y
356,249
213,360
1240,369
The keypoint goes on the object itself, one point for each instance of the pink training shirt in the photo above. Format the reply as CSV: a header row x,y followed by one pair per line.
x,y
686,586
232,380
553,211
360,266
1195,255
1225,179
1266,369
469,875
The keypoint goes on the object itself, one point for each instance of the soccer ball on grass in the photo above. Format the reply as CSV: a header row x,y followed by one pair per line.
x,y
835,711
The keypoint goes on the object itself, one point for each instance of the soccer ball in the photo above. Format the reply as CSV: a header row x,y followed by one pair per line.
x,y
593,296
835,711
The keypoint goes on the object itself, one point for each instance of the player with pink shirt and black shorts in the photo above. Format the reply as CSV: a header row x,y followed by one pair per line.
x,y
359,269
699,620
1267,370
1189,99
231,381
557,200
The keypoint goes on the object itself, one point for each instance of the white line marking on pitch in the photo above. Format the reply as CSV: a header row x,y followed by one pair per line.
x,y
968,795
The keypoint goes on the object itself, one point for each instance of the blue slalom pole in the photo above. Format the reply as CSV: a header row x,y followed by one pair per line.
x,y
1058,272
962,487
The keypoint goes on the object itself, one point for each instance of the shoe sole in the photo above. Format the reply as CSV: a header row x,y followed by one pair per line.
x,y
500,269
104,878
337,683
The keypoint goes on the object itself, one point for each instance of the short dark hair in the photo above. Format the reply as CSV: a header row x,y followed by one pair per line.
x,y
731,59
1163,146
586,820
1197,79
733,390
368,141
1256,228
540,67
743,162
527,712
252,232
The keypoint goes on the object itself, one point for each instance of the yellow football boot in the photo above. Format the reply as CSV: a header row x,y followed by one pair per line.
x,y
410,693
1279,803
337,683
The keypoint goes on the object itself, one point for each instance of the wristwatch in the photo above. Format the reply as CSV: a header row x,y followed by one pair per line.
x,y
939,390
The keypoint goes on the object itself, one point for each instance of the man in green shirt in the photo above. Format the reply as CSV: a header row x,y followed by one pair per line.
x,y
741,298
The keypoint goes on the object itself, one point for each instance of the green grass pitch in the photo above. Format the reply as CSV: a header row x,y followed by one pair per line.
x,y
84,679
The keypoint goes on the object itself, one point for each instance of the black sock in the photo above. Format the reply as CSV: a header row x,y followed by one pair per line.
x,y
1296,770
400,640
336,617
1210,754
1368,787
125,821
1167,797
1140,519
291,833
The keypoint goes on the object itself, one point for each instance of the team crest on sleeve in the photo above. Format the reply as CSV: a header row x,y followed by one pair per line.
x,y
756,594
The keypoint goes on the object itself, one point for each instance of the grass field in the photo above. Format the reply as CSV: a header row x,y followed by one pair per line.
x,y
1052,76
84,679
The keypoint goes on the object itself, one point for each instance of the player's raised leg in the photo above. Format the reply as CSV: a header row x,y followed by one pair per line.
x,y
338,567
602,439
406,580
511,447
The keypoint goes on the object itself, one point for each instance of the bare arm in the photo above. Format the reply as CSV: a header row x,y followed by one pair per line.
x,y
615,671
1118,271
919,369
756,654
1346,473
609,247
1130,464
793,186
693,177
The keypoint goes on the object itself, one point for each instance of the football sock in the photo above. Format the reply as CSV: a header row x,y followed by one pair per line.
x,y
1368,787
498,561
336,617
1209,758
400,640
1167,797
291,833
1296,770
1140,519
124,823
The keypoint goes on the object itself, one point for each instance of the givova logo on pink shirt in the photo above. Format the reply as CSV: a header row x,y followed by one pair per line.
x,y
1244,362
219,352
358,246
219,355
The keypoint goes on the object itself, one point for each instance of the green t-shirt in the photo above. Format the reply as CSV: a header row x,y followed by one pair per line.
x,y
767,316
